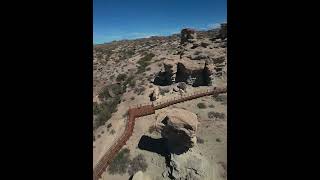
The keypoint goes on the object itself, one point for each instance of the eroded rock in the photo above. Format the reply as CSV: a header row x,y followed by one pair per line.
x,y
179,127
188,36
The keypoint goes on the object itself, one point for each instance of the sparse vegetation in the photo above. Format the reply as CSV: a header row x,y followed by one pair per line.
x,y
121,77
162,91
144,62
211,106
109,126
120,163
110,97
132,98
112,131
216,115
202,105
221,98
218,140
139,90
138,163
96,108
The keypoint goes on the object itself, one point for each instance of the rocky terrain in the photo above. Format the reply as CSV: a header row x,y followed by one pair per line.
x,y
185,141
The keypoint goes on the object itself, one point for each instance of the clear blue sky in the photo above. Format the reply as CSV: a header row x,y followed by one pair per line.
x,y
131,19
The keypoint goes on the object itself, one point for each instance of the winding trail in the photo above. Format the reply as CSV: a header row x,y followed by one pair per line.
x,y
144,110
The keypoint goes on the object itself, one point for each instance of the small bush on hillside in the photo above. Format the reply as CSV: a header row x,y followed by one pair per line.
x,y
211,106
112,131
144,62
96,108
121,77
162,91
216,115
201,106
139,90
221,98
138,163
120,163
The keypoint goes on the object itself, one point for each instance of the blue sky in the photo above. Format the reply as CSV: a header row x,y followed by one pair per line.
x,y
131,19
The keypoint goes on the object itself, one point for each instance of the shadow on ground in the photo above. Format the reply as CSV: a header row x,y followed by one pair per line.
x,y
153,145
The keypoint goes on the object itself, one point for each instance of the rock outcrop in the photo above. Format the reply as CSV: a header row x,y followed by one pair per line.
x,y
185,161
191,166
188,36
192,73
223,31
179,128
165,76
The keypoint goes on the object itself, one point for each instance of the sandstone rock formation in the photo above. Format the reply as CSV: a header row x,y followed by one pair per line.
x,y
191,166
179,128
223,31
141,176
185,161
188,36
165,76
192,73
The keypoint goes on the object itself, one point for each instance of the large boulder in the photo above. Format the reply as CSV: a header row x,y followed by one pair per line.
x,y
191,166
195,73
185,161
179,127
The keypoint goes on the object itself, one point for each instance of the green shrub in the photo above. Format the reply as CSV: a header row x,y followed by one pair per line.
x,y
96,108
144,62
221,98
139,90
138,163
120,163
211,106
109,104
216,115
121,77
201,106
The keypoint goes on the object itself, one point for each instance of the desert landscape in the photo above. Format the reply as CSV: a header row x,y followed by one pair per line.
x,y
186,140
